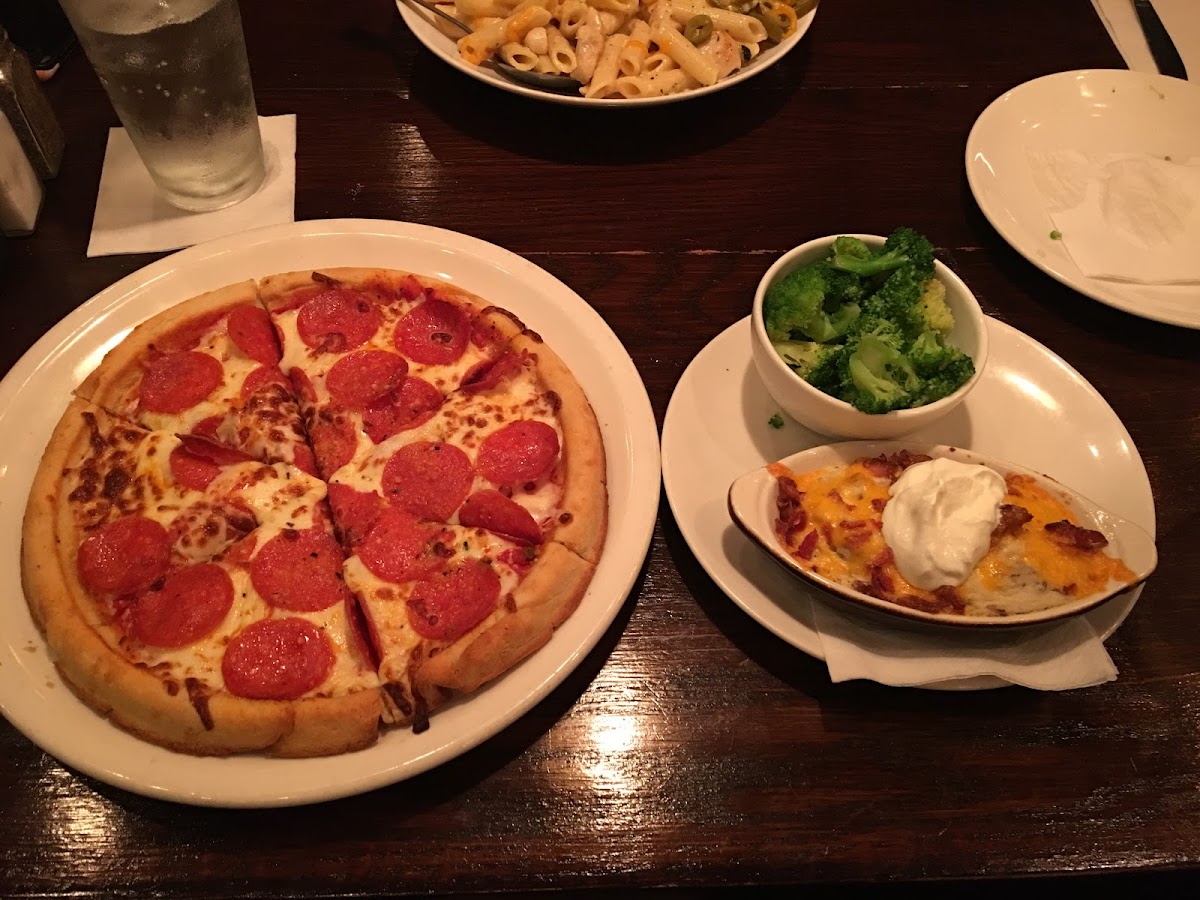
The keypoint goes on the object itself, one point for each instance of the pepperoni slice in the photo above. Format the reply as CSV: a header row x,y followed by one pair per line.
x,y
208,427
398,547
435,333
277,659
177,381
521,451
212,450
299,570
500,515
357,379
189,604
337,320
488,375
409,288
192,471
304,388
303,459
334,444
355,511
454,601
428,479
125,555
251,330
260,378
413,405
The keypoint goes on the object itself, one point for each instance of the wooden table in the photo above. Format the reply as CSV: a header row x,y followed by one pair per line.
x,y
750,767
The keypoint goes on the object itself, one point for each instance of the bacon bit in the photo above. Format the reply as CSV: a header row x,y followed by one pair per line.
x,y
1072,536
885,466
789,503
882,582
883,558
878,504
854,523
807,546
837,498
857,538
949,598
1012,520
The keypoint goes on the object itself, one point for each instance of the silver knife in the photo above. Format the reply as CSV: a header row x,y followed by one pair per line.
x,y
1162,48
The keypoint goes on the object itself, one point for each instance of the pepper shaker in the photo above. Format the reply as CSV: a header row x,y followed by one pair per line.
x,y
28,111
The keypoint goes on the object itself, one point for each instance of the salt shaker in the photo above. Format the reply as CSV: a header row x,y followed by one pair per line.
x,y
28,112
20,187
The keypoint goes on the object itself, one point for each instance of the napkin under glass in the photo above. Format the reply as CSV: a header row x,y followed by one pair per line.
x,y
132,217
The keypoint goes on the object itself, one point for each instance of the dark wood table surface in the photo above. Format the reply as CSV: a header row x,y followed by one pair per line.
x,y
750,767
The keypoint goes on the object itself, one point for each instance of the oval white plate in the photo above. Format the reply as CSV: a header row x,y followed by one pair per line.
x,y
716,430
752,503
36,390
1097,111
420,23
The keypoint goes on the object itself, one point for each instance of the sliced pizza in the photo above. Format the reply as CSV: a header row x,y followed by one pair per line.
x,y
373,352
193,595
207,366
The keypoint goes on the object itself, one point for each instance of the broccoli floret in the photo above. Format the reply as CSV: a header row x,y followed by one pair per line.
x,y
793,302
805,356
850,248
915,247
956,370
880,376
872,265
840,287
928,354
797,303
931,312
897,297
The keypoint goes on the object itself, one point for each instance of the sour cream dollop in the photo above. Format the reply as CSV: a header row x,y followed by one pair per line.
x,y
940,518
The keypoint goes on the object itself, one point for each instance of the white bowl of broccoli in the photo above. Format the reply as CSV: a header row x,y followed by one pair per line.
x,y
859,336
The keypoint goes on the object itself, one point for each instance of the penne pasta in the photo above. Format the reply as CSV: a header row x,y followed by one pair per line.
x,y
606,68
519,56
624,49
690,59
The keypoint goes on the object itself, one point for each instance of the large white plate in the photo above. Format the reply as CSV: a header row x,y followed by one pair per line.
x,y
420,23
716,430
35,392
1096,111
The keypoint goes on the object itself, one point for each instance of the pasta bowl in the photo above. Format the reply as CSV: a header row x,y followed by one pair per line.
x,y
823,413
753,502
422,24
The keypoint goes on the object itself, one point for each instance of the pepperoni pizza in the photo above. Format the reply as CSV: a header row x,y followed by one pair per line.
x,y
282,514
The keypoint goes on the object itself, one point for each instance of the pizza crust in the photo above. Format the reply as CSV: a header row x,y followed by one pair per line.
x,y
585,480
541,602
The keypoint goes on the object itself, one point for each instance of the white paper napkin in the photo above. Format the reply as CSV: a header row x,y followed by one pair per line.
x,y
1181,18
132,217
1124,216
1056,658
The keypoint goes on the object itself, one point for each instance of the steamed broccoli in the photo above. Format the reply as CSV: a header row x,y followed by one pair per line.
x,y
931,312
869,327
805,356
796,303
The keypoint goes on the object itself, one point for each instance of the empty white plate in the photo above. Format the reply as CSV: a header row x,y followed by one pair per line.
x,y
1097,112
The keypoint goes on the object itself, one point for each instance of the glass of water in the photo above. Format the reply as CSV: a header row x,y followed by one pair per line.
x,y
177,75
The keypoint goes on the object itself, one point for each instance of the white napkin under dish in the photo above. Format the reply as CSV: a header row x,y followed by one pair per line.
x,y
132,217
1058,657
1181,18
1126,217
